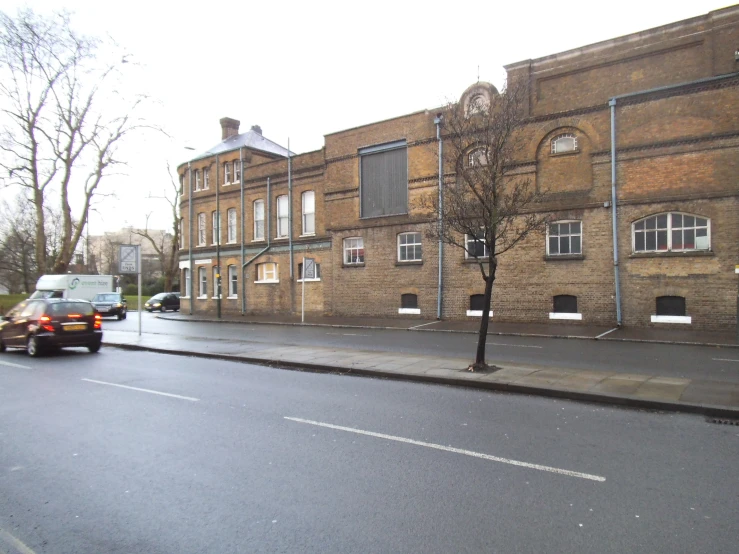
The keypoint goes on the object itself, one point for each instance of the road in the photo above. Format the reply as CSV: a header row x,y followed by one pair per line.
x,y
139,452
684,361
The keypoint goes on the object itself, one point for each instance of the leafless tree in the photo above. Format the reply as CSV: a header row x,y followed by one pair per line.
x,y
57,137
17,247
486,208
167,245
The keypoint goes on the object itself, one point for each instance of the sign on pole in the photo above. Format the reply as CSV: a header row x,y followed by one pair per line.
x,y
128,258
309,268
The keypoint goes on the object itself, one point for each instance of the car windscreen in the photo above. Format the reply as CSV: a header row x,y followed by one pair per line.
x,y
47,294
159,296
106,298
66,308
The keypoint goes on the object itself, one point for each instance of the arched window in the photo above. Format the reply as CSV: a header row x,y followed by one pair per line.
x,y
678,232
477,157
564,143
478,103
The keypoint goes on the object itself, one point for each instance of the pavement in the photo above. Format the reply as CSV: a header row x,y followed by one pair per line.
x,y
715,399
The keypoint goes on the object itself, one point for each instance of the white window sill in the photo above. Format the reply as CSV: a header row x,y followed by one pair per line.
x,y
284,237
258,240
308,280
202,244
307,235
231,242
564,315
477,313
415,311
184,298
232,297
216,297
203,297
684,319
214,244
267,281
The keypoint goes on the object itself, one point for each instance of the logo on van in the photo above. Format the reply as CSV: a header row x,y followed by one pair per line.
x,y
74,283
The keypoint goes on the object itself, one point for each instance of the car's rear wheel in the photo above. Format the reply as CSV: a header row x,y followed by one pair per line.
x,y
94,347
33,347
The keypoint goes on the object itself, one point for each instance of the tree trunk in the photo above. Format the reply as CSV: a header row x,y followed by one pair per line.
x,y
38,202
483,335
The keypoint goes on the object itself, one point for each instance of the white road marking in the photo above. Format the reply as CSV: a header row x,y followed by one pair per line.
x,y
348,334
454,450
724,360
423,324
10,364
514,345
14,542
144,390
604,334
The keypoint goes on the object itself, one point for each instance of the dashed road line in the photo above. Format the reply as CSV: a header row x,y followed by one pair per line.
x,y
17,545
514,345
10,364
189,398
724,360
471,453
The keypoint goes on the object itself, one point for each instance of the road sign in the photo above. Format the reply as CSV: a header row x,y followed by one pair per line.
x,y
128,258
309,268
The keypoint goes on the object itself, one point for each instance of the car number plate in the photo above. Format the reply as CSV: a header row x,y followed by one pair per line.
x,y
76,327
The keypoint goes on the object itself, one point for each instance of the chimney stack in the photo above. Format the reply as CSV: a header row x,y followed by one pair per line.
x,y
257,129
229,127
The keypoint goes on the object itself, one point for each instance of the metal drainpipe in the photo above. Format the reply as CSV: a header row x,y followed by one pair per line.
x,y
437,121
614,216
290,208
246,264
218,246
612,104
189,241
241,232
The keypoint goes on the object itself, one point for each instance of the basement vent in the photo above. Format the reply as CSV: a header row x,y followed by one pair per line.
x,y
722,421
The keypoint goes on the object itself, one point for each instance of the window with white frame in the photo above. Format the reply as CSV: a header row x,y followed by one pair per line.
x,y
316,278
231,217
409,247
237,171
202,283
674,231
259,220
267,273
226,173
564,143
477,157
201,229
564,238
233,281
282,217
354,251
309,212
206,178
197,179
186,280
216,281
475,246
216,227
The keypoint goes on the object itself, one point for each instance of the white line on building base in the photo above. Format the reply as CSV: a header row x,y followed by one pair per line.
x,y
143,390
450,449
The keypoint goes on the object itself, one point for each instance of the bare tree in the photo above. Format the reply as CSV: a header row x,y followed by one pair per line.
x,y
167,245
17,247
486,208
56,134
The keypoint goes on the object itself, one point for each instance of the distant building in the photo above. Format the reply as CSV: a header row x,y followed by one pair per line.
x,y
672,92
103,251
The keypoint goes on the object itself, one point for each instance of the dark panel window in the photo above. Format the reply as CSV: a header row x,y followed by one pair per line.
x,y
408,301
477,302
565,304
670,305
384,179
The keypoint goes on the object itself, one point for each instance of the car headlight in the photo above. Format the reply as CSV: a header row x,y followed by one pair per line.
x,y
157,304
119,305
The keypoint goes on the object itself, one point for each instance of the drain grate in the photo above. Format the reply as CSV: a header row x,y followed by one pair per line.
x,y
721,421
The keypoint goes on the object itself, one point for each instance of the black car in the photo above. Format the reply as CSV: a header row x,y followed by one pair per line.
x,y
110,304
44,324
163,301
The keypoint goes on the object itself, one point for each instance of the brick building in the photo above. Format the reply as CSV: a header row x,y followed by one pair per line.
x,y
672,95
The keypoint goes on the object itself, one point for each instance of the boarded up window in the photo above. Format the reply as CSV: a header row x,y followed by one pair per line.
x,y
670,305
565,304
384,179
477,302
408,301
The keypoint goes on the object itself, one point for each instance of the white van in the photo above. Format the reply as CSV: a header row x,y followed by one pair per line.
x,y
84,287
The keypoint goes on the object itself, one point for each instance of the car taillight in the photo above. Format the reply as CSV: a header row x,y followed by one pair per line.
x,y
98,322
74,316
45,321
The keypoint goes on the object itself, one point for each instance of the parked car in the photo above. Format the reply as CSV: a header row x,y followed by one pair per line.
x,y
163,301
42,324
110,304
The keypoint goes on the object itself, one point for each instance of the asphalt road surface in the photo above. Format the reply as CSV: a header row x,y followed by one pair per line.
x,y
684,361
138,452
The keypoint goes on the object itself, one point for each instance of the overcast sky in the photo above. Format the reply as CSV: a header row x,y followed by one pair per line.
x,y
304,69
